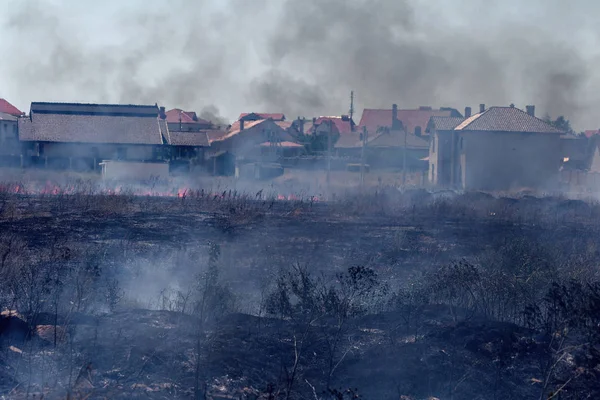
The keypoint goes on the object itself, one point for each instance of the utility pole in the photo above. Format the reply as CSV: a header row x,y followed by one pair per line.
x,y
362,157
351,110
329,152
404,160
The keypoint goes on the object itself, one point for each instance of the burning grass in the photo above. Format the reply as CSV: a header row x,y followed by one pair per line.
x,y
132,264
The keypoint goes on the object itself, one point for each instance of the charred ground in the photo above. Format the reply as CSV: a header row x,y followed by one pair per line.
x,y
391,294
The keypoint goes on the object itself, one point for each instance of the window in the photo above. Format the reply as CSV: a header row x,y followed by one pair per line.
x,y
433,144
461,143
121,153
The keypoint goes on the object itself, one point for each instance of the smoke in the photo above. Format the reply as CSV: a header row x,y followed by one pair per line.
x,y
304,57
388,54
211,113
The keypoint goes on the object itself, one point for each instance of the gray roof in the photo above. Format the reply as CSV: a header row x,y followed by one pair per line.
x,y
386,138
396,138
7,117
131,110
506,119
446,123
186,138
91,123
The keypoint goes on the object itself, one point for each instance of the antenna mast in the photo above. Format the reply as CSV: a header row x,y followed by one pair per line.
x,y
351,109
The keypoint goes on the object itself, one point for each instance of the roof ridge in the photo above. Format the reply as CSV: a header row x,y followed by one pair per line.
x,y
471,119
94,104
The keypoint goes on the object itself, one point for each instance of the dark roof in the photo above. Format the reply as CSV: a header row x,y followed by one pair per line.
x,y
116,110
194,139
273,116
310,127
445,123
7,108
343,124
92,123
375,118
506,119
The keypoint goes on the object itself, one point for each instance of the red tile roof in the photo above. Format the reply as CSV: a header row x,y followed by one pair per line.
x,y
375,118
273,116
8,108
215,135
589,134
348,141
187,117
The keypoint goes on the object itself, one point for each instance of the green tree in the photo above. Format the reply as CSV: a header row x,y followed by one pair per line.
x,y
560,123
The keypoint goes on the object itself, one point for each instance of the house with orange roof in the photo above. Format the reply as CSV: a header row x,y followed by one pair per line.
x,y
257,140
7,108
186,121
10,148
414,121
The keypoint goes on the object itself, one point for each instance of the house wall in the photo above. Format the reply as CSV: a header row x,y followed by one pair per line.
x,y
595,164
99,151
134,170
440,158
9,138
246,143
509,160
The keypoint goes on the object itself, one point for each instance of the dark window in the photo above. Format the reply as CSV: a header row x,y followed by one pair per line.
x,y
461,143
433,144
121,153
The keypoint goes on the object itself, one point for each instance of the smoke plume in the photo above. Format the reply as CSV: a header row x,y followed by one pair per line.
x,y
304,57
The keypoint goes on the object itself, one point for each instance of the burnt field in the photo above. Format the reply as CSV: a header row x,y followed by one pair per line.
x,y
384,295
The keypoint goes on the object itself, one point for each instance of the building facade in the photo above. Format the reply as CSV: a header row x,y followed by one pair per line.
x,y
501,148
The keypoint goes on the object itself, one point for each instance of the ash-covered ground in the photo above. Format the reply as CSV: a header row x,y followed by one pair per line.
x,y
227,295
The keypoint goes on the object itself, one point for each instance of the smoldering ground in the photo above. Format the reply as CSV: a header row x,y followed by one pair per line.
x,y
304,57
91,266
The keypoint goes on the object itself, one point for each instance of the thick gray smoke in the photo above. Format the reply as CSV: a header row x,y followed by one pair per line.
x,y
304,57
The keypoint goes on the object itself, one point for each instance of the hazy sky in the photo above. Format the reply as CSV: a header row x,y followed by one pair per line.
x,y
303,57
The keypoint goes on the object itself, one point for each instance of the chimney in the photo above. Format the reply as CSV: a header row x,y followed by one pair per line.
x,y
241,124
301,125
395,121
161,113
467,112
530,110
481,108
